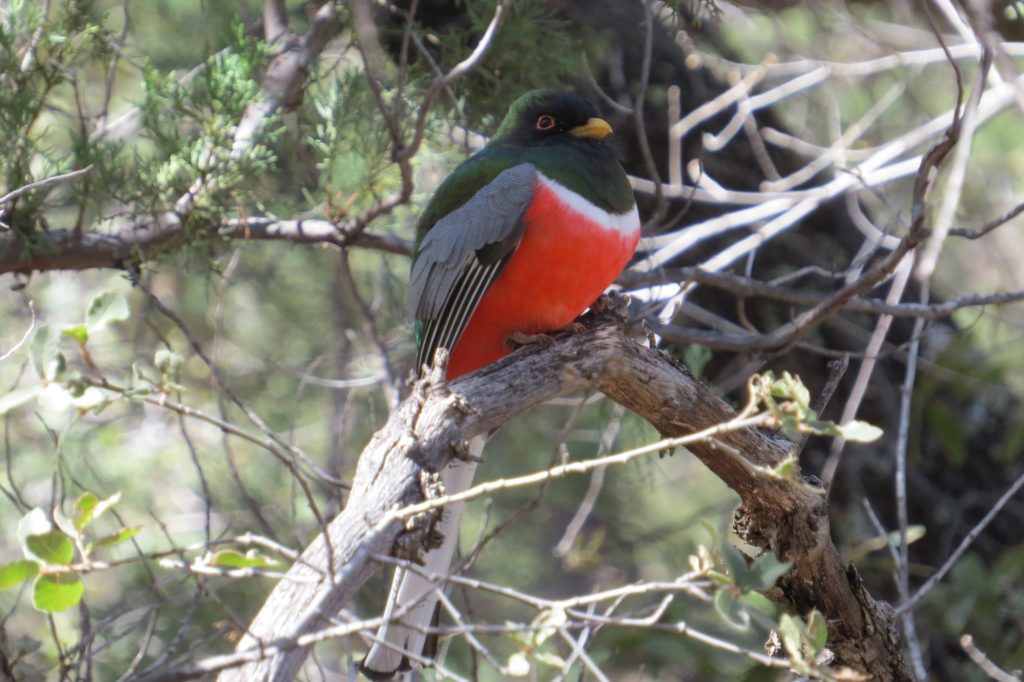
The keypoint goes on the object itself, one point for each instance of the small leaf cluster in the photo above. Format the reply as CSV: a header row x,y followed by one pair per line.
x,y
57,386
60,387
738,599
532,642
789,403
51,548
740,604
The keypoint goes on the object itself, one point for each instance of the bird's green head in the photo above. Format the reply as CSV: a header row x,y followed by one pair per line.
x,y
542,116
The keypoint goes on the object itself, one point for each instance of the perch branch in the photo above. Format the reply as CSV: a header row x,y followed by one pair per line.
x,y
777,513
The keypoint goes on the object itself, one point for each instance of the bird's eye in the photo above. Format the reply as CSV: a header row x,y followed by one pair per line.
x,y
545,122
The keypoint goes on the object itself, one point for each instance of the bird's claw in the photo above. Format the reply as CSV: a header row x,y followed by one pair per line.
x,y
519,339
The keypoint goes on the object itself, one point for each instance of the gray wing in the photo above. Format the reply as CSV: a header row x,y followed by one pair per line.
x,y
461,256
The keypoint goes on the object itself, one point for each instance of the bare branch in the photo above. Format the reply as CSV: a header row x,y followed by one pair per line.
x,y
60,250
984,662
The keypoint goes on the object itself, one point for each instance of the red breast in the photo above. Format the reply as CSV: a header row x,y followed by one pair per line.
x,y
570,252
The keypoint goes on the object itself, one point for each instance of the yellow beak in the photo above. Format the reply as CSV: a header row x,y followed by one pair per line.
x,y
596,128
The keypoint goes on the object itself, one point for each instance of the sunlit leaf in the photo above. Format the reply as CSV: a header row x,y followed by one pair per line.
x,y
90,399
914,533
791,632
518,665
104,505
116,538
54,398
79,333
52,547
84,506
52,593
36,522
787,468
817,631
16,573
860,432
46,356
167,361
64,523
549,659
230,558
104,308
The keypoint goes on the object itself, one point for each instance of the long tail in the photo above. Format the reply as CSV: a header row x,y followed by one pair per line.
x,y
386,656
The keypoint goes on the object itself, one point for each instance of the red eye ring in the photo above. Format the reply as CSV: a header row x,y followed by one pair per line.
x,y
545,122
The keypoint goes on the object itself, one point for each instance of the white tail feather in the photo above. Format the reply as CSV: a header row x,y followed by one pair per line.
x,y
406,633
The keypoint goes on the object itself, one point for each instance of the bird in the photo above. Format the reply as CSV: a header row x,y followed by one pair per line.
x,y
519,240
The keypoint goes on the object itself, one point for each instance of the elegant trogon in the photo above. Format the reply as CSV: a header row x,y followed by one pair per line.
x,y
521,238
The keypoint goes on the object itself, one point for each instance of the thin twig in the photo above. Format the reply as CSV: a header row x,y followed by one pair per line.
x,y
964,545
44,183
984,662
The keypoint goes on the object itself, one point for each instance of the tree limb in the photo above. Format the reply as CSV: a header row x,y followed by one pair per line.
x,y
62,250
398,468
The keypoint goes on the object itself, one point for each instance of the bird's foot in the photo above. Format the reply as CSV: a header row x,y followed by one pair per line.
x,y
517,340
576,327
614,302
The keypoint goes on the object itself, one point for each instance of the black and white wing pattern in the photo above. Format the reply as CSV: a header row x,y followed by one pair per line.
x,y
461,256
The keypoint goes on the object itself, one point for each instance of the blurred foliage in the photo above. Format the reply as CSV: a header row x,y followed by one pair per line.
x,y
284,324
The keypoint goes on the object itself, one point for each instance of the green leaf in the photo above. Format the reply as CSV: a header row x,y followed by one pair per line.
x,y
765,571
787,468
860,432
731,610
84,506
79,333
736,563
46,355
518,665
64,523
548,623
789,387
52,593
759,602
17,572
54,397
817,632
914,533
90,399
104,308
791,631
17,398
230,558
552,660
167,362
52,547
115,538
103,505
